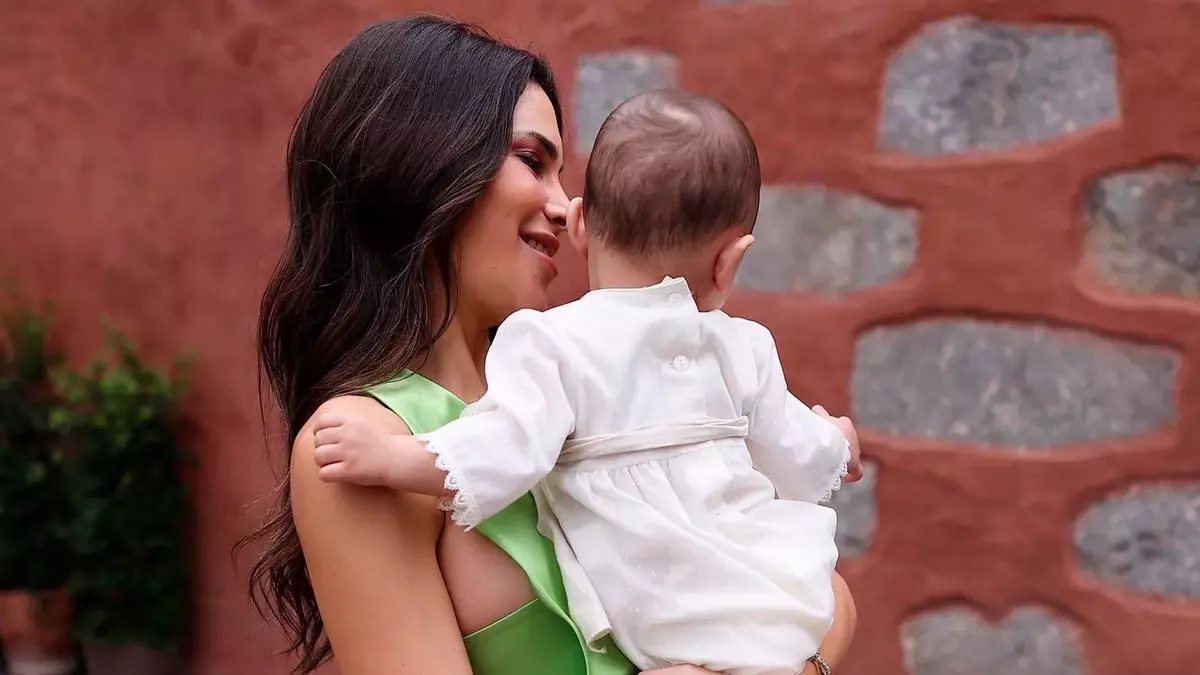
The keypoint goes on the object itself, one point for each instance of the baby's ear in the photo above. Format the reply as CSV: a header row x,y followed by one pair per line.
x,y
576,227
728,261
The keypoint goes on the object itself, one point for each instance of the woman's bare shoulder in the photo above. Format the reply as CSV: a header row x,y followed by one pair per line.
x,y
305,477
371,555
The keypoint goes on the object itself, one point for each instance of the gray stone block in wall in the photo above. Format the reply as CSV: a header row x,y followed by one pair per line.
x,y
1009,384
1146,539
965,85
857,514
814,239
958,641
1144,229
605,80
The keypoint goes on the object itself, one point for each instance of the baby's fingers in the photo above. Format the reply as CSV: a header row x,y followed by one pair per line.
x,y
333,473
328,436
854,473
329,454
846,426
327,421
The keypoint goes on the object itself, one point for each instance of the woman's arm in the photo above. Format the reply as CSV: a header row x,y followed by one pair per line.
x,y
845,619
833,649
371,556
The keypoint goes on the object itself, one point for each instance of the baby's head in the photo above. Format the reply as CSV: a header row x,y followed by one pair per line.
x,y
673,179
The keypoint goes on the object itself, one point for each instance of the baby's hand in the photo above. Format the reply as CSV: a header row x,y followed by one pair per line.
x,y
844,425
353,451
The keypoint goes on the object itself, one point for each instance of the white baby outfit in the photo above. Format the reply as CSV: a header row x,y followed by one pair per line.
x,y
675,474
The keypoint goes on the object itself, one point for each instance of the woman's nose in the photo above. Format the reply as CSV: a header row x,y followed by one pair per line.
x,y
556,207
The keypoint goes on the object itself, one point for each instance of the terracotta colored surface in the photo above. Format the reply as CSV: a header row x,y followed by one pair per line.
x,y
142,145
36,626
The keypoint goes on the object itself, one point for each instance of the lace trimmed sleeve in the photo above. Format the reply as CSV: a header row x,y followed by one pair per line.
x,y
804,455
511,438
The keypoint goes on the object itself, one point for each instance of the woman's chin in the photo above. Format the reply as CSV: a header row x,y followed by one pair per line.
x,y
541,304
541,300
537,300
539,295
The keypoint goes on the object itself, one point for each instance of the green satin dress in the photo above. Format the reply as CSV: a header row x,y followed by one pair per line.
x,y
539,638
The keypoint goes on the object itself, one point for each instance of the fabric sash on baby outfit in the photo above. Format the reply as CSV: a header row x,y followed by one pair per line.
x,y
645,444
609,451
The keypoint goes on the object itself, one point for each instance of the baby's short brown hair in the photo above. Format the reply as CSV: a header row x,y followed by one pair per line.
x,y
670,170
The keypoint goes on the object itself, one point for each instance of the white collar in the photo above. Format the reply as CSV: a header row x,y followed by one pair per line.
x,y
670,290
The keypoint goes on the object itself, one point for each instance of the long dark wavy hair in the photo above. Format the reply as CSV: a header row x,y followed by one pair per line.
x,y
405,128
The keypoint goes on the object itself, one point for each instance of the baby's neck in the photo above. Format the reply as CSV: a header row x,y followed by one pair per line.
x,y
613,269
610,270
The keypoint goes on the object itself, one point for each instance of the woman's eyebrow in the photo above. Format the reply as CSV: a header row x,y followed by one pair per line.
x,y
548,146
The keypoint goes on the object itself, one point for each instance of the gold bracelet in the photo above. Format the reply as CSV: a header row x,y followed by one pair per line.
x,y
819,662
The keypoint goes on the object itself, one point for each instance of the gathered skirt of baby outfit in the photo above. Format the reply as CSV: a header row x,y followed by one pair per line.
x,y
670,540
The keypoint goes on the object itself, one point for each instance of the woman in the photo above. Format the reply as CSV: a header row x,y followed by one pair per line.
x,y
425,208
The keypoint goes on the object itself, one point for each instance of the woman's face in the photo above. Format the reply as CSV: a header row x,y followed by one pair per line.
x,y
506,246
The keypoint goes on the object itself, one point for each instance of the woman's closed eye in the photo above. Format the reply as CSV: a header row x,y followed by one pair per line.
x,y
533,161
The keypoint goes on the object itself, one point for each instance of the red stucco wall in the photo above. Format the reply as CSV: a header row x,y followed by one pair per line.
x,y
142,148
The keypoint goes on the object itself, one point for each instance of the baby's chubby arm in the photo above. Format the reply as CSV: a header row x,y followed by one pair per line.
x,y
806,453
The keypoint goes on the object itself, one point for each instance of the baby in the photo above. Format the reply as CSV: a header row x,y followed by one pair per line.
x,y
676,476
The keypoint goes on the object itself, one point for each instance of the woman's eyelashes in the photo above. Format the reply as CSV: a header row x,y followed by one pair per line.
x,y
532,160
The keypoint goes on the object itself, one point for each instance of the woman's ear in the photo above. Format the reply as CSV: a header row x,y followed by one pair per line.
x,y
576,227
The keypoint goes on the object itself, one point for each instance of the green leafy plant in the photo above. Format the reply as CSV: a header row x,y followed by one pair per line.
x,y
131,582
34,508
